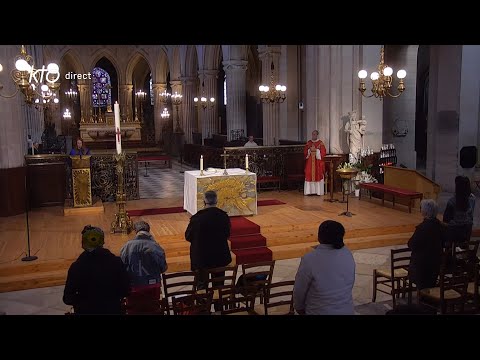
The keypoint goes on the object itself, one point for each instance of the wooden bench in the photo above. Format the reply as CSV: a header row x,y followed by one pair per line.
x,y
394,191
269,180
145,160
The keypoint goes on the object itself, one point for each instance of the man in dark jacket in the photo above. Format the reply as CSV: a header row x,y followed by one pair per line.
x,y
208,232
426,244
97,281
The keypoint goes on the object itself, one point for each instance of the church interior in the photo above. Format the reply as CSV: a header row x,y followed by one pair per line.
x,y
161,125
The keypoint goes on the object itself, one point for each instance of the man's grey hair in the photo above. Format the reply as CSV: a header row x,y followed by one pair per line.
x,y
211,198
429,208
141,226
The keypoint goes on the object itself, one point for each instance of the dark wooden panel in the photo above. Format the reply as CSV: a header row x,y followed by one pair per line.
x,y
46,184
12,191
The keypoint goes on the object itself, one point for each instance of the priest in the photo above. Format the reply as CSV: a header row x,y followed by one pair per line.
x,y
314,154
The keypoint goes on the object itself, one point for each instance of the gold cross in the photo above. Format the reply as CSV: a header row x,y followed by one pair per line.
x,y
225,155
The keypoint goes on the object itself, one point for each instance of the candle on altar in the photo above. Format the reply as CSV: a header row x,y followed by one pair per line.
x,y
246,161
118,137
201,162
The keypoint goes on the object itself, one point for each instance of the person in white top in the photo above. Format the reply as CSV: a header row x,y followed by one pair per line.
x,y
325,277
250,142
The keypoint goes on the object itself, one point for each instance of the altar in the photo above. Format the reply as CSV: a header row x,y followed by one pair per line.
x,y
101,128
237,191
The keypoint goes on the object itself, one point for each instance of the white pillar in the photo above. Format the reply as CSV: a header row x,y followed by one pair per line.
x,y
209,115
125,102
236,72
271,111
158,107
187,119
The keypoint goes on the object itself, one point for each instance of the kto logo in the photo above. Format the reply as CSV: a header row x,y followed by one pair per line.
x,y
51,72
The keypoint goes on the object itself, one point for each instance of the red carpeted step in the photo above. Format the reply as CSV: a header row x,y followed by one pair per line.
x,y
247,241
243,226
246,256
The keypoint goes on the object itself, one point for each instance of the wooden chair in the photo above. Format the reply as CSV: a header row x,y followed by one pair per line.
x,y
278,299
194,304
451,294
394,281
146,301
178,284
220,278
467,255
255,278
234,302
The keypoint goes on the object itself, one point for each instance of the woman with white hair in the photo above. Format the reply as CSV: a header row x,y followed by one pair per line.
x,y
426,244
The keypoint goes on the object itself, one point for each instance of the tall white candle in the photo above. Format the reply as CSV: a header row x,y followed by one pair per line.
x,y
201,162
246,161
118,136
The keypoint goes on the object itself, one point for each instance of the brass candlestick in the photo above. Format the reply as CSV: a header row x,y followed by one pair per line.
x,y
122,223
201,173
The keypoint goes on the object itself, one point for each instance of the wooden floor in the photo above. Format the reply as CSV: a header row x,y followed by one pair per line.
x,y
290,229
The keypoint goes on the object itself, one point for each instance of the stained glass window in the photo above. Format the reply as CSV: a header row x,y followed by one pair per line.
x,y
225,90
102,88
151,90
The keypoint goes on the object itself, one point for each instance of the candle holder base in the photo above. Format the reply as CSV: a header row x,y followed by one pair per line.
x,y
346,213
331,200
247,171
122,223
225,172
201,173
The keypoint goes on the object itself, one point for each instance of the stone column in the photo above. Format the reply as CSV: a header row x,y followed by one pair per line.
x,y
236,72
187,121
13,139
336,83
125,102
158,109
209,115
271,111
85,93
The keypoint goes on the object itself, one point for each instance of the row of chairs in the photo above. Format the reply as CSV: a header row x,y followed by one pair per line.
x,y
457,285
189,292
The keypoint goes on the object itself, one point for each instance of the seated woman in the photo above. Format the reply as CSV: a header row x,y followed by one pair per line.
x,y
459,211
325,277
426,244
80,149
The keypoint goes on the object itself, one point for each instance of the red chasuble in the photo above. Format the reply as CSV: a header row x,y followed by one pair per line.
x,y
314,168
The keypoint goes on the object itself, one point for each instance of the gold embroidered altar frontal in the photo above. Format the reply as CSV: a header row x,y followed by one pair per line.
x,y
81,181
236,192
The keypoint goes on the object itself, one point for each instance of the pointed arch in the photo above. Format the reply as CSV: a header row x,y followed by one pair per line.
x,y
176,67
213,54
71,58
132,63
191,62
162,67
107,54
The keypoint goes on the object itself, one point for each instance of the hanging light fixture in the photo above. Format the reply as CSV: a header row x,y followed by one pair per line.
x,y
382,80
165,114
28,79
275,93
204,102
67,114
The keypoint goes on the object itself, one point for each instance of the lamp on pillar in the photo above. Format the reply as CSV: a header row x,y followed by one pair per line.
x,y
28,80
204,102
382,80
176,101
140,95
164,96
275,93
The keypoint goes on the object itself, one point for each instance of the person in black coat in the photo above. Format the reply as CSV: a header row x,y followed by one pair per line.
x,y
208,232
97,281
426,244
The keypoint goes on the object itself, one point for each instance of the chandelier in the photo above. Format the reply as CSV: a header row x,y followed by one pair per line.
x,y
164,96
382,80
165,114
203,100
273,93
67,114
71,94
28,79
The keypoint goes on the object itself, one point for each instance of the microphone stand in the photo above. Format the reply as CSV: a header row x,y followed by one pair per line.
x,y
28,256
